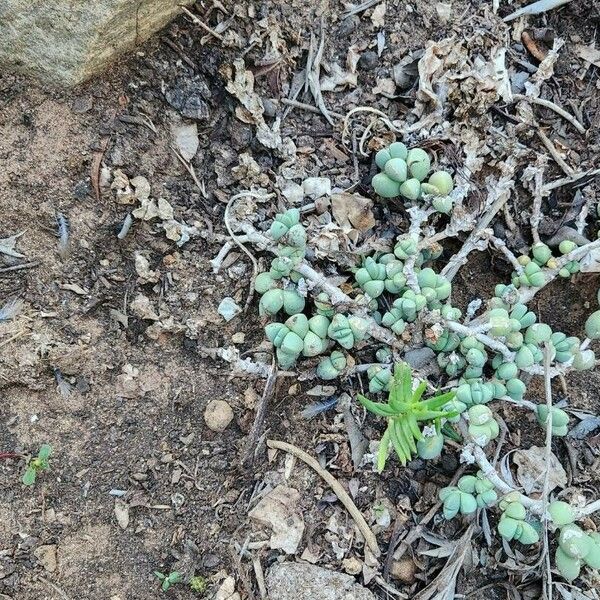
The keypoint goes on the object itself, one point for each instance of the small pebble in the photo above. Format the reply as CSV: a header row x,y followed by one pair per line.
x,y
352,566
228,308
403,570
368,60
218,415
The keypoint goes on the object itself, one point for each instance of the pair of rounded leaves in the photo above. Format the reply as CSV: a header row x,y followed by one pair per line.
x,y
575,548
298,335
475,392
454,501
276,299
541,253
480,487
433,286
371,277
532,276
346,331
559,419
379,378
565,347
513,526
482,426
286,228
332,366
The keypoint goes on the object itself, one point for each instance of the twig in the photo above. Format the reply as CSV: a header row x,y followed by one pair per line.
x,y
501,245
535,8
548,392
259,419
19,267
338,490
525,294
198,22
557,109
308,107
241,246
260,576
498,193
560,161
490,342
190,169
567,180
49,583
127,223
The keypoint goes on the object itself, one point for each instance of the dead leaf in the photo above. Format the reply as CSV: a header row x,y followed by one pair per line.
x,y
142,307
73,287
531,469
378,15
279,509
122,513
352,211
7,245
142,267
589,53
186,139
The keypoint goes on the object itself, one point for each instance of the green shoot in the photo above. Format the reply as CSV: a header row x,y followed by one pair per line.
x,y
168,580
404,411
38,464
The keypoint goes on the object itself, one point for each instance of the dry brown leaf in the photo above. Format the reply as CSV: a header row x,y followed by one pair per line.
x,y
352,211
531,469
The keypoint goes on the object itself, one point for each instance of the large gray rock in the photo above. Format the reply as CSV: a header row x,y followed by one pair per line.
x,y
68,41
302,581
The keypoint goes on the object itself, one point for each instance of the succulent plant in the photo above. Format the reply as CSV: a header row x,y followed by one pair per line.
x,y
347,331
560,419
541,253
430,447
332,366
404,411
561,513
455,501
288,300
418,163
482,426
513,524
379,378
475,392
592,326
371,277
298,335
405,247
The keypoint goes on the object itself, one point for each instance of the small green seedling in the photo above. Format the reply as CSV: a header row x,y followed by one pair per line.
x,y
37,465
168,580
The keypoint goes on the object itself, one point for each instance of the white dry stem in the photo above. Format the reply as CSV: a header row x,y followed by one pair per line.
x,y
552,106
485,339
526,293
319,281
498,193
417,216
240,366
501,245
546,491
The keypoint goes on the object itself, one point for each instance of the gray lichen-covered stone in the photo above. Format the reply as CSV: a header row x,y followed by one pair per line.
x,y
68,41
302,581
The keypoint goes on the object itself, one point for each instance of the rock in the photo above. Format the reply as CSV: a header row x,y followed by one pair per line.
x,y
352,565
228,308
46,555
218,415
299,581
66,43
368,60
279,510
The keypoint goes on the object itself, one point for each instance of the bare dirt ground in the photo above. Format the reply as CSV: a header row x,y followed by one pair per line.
x,y
130,434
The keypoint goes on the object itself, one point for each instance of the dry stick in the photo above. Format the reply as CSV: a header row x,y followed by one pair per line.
x,y
567,180
557,109
308,107
554,152
259,419
338,490
548,391
201,24
456,262
501,245
238,243
19,267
